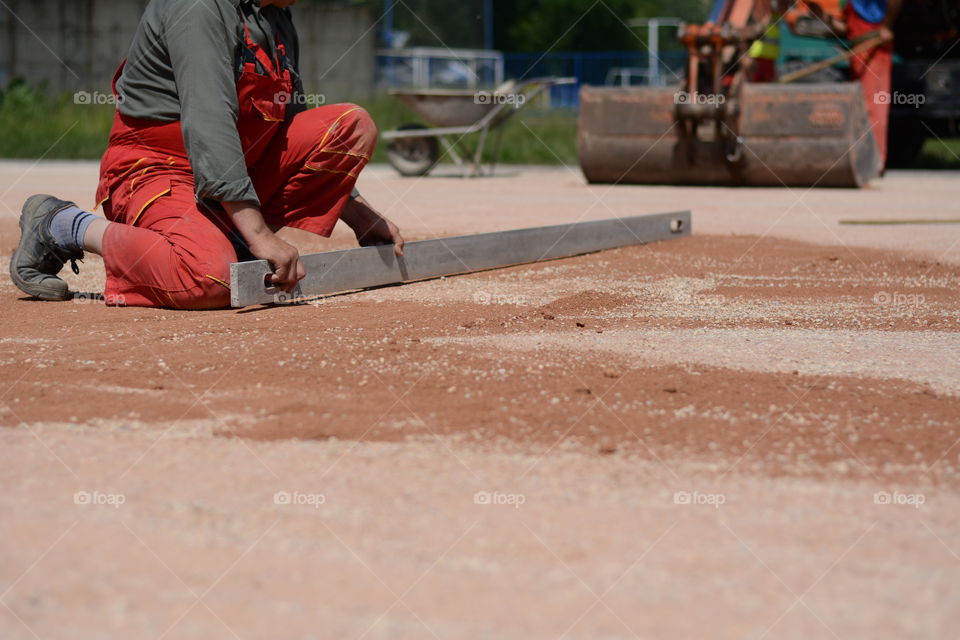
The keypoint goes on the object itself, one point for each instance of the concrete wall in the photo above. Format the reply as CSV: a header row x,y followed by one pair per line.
x,y
71,45
337,50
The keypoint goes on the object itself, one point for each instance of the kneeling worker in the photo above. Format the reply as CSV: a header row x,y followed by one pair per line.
x,y
210,153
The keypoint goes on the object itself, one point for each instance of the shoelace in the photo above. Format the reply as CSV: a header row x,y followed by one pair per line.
x,y
73,260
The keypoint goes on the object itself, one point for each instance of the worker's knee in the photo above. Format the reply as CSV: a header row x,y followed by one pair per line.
x,y
345,129
363,130
205,278
209,293
351,130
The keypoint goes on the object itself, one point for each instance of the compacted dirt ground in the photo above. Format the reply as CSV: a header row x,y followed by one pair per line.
x,y
750,433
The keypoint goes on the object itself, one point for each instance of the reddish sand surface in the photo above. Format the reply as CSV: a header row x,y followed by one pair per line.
x,y
751,432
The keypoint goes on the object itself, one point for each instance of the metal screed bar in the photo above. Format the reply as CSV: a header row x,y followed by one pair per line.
x,y
336,271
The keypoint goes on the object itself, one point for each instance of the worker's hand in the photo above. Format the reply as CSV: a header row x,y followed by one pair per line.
x,y
264,244
381,231
886,35
372,229
283,258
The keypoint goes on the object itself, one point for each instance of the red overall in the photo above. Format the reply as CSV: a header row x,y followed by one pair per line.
x,y
873,69
168,250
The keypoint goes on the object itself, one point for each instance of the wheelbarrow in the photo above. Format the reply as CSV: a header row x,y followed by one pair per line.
x,y
453,114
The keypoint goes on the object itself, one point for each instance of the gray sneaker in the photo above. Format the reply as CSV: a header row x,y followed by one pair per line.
x,y
37,261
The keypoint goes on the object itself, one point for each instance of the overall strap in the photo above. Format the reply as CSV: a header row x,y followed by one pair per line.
x,y
259,55
116,78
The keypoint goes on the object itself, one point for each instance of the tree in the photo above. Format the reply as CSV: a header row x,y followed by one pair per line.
x,y
538,25
438,23
583,25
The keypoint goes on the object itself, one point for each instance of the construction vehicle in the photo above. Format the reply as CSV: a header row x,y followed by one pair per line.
x,y
925,92
927,65
716,128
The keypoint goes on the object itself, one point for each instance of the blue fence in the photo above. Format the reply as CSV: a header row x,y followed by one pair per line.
x,y
617,68
594,68
459,69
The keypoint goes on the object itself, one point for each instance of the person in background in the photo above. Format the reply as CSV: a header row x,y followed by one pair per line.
x,y
873,68
765,50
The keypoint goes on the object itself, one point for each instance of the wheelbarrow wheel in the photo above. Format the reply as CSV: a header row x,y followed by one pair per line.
x,y
413,156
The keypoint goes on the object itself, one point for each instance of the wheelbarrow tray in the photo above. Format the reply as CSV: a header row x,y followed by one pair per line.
x,y
445,107
414,149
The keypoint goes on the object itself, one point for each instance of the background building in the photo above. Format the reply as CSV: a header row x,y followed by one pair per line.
x,y
71,45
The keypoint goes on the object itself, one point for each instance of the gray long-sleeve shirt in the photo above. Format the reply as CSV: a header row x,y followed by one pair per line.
x,y
184,64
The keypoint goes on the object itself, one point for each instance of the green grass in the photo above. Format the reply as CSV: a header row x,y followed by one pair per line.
x,y
38,126
939,154
540,137
531,136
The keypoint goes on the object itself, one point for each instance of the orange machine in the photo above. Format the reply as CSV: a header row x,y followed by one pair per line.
x,y
718,129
